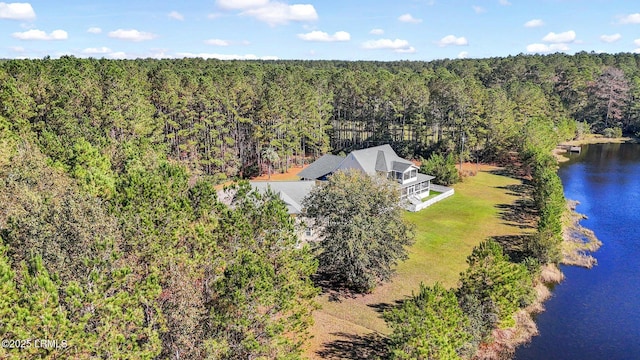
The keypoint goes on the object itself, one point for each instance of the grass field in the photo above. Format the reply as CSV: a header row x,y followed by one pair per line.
x,y
445,235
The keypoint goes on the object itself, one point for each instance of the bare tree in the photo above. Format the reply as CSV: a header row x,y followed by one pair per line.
x,y
611,94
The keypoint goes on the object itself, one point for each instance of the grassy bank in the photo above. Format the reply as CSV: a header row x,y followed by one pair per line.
x,y
445,235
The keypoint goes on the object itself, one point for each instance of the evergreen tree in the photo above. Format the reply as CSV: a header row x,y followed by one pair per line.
x,y
443,168
261,300
492,279
430,326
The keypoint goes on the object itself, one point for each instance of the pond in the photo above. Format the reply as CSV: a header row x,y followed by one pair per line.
x,y
595,314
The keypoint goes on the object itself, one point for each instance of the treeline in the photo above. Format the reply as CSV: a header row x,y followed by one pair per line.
x,y
221,117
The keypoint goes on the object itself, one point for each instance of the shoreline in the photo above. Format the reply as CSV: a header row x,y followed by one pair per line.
x,y
577,245
562,148
506,341
578,242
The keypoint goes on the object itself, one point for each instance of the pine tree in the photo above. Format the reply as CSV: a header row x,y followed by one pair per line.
x,y
429,325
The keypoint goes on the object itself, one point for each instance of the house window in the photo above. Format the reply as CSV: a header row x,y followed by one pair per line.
x,y
410,175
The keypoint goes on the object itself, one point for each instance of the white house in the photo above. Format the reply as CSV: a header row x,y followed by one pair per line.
x,y
375,161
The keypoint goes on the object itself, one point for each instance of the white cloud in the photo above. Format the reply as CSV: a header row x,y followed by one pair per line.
x,y
272,12
534,23
158,54
637,42
241,4
16,11
630,19
561,38
610,38
504,2
227,56
556,42
118,55
376,32
41,35
277,13
409,50
408,18
176,15
94,30
479,9
132,35
100,50
544,48
397,45
217,42
463,55
325,37
18,49
453,40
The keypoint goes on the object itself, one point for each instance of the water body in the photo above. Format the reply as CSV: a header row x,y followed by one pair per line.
x,y
595,314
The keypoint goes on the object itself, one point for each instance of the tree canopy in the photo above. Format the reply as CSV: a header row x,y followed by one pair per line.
x,y
363,234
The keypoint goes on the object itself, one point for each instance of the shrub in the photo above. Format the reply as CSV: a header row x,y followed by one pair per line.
x,y
443,168
612,132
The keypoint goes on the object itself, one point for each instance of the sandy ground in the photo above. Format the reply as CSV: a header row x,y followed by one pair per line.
x,y
292,174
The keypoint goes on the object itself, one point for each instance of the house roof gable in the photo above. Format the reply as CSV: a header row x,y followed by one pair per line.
x,y
402,166
378,158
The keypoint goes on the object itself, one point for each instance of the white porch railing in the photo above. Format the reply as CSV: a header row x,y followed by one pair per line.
x,y
416,204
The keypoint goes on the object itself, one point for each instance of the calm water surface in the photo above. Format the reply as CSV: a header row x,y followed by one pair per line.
x,y
595,314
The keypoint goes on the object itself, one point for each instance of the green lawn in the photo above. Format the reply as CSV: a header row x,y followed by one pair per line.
x,y
432,194
446,232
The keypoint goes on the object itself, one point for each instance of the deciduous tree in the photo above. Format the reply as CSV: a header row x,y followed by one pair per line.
x,y
359,219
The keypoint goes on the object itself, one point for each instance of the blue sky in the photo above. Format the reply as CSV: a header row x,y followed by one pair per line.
x,y
315,29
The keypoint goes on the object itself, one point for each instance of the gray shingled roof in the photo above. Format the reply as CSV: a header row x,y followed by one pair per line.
x,y
291,192
324,165
378,158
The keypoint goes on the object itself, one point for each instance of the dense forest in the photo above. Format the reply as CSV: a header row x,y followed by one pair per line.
x,y
113,238
221,118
